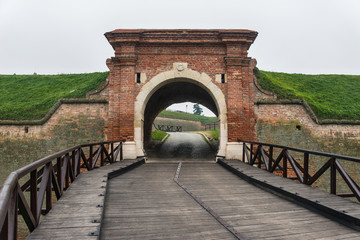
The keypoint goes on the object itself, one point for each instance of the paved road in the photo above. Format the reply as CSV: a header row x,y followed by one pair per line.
x,y
184,146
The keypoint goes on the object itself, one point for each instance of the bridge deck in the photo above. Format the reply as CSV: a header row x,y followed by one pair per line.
x,y
204,201
72,217
208,203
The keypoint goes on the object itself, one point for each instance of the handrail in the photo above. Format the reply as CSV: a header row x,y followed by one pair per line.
x,y
262,155
49,176
324,154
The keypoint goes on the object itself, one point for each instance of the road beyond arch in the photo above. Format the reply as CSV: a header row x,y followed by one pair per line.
x,y
183,146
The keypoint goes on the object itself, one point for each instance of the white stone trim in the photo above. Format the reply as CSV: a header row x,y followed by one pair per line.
x,y
129,150
234,150
180,72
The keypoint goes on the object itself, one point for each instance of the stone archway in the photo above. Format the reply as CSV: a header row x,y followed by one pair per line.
x,y
163,56
179,73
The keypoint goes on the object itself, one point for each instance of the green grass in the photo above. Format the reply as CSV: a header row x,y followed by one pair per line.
x,y
158,135
31,96
187,116
330,96
214,133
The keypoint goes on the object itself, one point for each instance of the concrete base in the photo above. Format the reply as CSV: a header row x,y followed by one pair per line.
x,y
234,150
129,150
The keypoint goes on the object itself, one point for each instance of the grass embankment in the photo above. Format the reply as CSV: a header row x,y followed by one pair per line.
x,y
158,135
330,96
187,116
31,96
212,134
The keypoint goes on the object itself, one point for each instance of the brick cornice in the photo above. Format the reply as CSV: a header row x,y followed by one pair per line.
x,y
201,36
124,60
237,61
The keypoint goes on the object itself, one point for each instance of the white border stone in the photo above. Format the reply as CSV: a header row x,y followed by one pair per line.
x,y
179,73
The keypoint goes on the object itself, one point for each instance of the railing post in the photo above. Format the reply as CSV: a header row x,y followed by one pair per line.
x,y
90,155
243,151
59,174
78,155
101,155
13,216
306,168
48,194
271,151
4,230
333,177
33,193
67,171
259,156
285,165
251,153
112,152
73,163
121,151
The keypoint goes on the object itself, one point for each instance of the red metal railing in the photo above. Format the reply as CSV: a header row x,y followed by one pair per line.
x,y
263,156
30,191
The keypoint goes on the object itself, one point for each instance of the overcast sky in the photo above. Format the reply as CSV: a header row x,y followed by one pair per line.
x,y
301,36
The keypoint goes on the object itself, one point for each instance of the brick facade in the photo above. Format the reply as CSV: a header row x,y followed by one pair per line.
x,y
153,52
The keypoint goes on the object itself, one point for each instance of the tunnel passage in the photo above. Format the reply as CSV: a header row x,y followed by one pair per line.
x,y
169,94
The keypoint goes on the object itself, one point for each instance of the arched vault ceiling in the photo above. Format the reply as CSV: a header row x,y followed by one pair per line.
x,y
176,93
171,93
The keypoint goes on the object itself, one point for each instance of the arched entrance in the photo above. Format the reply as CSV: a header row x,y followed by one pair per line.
x,y
179,84
219,64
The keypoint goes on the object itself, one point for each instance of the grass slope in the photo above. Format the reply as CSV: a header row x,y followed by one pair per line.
x,y
330,96
187,116
31,96
158,135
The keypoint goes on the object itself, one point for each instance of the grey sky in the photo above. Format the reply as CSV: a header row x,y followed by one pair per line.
x,y
307,36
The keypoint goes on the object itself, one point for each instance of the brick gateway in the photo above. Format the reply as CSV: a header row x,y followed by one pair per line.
x,y
153,69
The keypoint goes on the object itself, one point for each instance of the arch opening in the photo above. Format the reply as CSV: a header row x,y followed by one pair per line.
x,y
173,92
173,87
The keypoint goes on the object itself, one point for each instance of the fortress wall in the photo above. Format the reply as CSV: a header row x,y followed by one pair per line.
x,y
71,117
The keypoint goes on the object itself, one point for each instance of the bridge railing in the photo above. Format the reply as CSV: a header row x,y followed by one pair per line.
x,y
169,128
211,126
30,191
295,163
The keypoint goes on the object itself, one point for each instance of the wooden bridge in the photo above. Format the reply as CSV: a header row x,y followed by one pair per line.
x,y
189,199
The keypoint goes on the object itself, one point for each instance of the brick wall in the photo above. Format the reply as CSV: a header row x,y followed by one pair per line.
x,y
65,114
274,113
152,52
70,125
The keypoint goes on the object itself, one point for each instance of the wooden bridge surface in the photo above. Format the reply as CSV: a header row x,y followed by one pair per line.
x,y
193,200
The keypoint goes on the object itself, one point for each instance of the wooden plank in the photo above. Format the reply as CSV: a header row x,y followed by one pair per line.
x,y
72,216
259,214
147,204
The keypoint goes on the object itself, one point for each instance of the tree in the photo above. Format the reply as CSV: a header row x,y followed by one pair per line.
x,y
197,109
